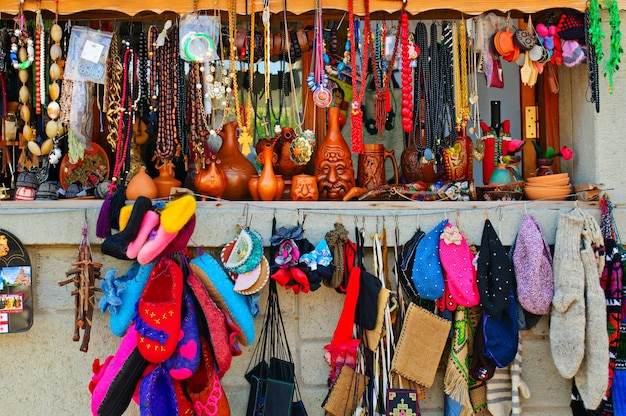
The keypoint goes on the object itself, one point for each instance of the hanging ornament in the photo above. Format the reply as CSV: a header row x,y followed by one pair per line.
x,y
407,76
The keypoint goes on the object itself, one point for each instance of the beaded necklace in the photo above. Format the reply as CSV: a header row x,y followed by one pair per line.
x,y
168,97
245,138
592,60
125,110
197,128
447,116
113,97
464,103
407,76
356,114
382,103
422,73
322,96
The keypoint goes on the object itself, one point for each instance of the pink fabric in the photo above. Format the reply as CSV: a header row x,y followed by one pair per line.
x,y
148,223
155,245
456,260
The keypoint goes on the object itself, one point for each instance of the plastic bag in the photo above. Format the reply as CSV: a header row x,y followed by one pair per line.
x,y
199,37
87,55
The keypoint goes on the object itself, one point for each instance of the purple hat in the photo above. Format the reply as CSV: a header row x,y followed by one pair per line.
x,y
573,53
533,268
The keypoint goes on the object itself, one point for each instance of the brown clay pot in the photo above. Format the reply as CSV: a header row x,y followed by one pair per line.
x,y
212,180
304,188
236,166
287,167
141,185
333,163
166,180
253,187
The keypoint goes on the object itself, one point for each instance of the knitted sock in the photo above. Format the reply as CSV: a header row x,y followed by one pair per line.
x,y
499,392
567,318
593,373
518,385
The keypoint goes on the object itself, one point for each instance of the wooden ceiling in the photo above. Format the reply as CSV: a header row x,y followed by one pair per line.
x,y
294,7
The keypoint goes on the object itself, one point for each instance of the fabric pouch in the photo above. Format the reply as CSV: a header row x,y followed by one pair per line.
x,y
345,394
421,344
402,402
278,397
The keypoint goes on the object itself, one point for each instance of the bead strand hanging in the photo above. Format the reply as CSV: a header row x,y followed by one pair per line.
x,y
407,73
464,103
384,72
40,34
54,90
356,113
113,90
245,138
317,81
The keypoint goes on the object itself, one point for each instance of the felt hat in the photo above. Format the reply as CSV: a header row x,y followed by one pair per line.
x,y
573,53
157,395
501,334
571,25
456,260
220,288
482,367
532,262
427,272
495,276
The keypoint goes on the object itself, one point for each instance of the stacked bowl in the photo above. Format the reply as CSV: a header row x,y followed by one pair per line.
x,y
554,187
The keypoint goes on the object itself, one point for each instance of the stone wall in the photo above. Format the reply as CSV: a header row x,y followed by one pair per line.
x,y
43,368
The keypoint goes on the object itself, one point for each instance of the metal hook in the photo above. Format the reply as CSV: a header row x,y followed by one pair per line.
x,y
499,212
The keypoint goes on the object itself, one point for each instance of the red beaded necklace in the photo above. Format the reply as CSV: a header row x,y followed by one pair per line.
x,y
356,115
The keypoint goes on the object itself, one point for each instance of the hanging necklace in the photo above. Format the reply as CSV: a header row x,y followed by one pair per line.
x,y
407,76
318,80
267,75
446,64
356,114
382,103
464,103
113,97
422,73
245,138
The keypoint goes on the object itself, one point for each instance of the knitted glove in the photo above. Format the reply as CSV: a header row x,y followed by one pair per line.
x,y
567,318
593,374
517,384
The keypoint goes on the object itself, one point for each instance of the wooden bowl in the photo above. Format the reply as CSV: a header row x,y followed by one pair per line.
x,y
552,182
548,178
556,193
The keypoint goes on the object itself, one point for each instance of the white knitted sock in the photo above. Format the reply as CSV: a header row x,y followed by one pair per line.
x,y
567,318
499,392
518,385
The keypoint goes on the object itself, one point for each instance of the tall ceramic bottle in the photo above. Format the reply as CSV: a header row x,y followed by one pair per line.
x,y
236,166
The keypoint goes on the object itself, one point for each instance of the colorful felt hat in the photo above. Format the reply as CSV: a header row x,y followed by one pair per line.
x,y
456,260
495,276
533,268
427,272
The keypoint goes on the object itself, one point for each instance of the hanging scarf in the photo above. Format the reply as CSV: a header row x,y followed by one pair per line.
x,y
457,371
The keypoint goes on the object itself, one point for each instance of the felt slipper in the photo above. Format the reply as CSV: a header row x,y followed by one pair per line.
x,y
157,396
117,244
159,312
128,289
185,407
149,222
220,288
222,335
177,213
182,239
114,380
185,359
156,243
204,387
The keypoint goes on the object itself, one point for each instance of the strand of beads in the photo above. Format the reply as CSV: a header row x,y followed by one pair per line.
x,y
22,57
54,90
407,79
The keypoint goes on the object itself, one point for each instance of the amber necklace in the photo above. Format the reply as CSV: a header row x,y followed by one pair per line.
x,y
245,138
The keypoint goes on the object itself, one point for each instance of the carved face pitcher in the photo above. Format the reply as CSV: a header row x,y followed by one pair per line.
x,y
371,166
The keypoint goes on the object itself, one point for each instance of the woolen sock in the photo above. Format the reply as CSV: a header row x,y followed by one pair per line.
x,y
593,374
125,215
518,386
567,318
499,392
140,207
149,222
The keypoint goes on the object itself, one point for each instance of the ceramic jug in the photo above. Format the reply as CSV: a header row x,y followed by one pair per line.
x,y
236,166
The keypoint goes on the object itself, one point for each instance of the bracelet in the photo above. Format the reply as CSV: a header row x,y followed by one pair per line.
x,y
198,47
296,51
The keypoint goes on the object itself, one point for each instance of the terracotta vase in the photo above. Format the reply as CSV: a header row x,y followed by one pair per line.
x,y
333,163
236,166
166,180
286,166
212,180
371,166
253,187
267,184
141,185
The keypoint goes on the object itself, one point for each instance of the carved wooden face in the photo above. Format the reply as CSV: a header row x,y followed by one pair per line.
x,y
304,188
334,173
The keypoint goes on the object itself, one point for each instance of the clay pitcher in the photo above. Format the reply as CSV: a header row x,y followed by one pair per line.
x,y
236,166
457,159
141,185
286,166
267,185
212,180
166,180
333,163
371,166
415,166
